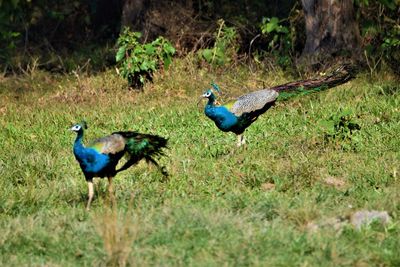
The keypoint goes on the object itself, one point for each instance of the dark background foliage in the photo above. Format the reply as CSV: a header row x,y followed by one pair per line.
x,y
64,34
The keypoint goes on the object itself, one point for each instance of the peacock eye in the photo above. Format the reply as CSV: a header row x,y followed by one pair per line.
x,y
207,94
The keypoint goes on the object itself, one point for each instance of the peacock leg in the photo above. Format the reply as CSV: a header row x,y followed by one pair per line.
x,y
241,140
90,194
111,191
110,188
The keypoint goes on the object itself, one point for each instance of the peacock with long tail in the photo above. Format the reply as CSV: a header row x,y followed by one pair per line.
x,y
237,115
101,157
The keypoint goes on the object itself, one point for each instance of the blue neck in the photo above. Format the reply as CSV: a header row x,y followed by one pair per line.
x,y
222,117
93,163
78,146
211,101
209,109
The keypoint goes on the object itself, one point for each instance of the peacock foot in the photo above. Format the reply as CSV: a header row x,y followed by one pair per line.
x,y
241,140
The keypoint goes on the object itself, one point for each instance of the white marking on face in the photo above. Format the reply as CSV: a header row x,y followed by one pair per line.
x,y
76,128
207,94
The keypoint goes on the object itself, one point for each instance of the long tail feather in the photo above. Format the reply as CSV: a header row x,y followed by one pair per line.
x,y
304,87
139,146
161,168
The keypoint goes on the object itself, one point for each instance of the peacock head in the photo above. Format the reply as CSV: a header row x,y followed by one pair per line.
x,y
79,127
208,94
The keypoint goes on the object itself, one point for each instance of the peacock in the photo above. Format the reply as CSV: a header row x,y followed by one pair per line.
x,y
101,157
237,115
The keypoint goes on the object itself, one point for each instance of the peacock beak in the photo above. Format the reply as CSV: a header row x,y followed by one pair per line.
x,y
199,100
72,129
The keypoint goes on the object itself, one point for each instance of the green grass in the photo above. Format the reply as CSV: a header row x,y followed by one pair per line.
x,y
213,210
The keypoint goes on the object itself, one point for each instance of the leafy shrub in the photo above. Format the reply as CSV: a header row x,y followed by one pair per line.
x,y
225,46
279,39
341,129
136,61
380,30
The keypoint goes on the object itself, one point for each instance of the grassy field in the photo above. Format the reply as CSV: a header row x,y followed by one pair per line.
x,y
221,205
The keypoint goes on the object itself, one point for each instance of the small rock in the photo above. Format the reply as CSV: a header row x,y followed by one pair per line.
x,y
357,220
267,186
365,217
335,182
336,223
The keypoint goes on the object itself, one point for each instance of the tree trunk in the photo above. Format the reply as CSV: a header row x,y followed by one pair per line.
x,y
331,30
133,13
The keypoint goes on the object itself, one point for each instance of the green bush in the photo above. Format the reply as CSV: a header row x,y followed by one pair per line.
x,y
225,46
380,30
137,62
341,129
279,39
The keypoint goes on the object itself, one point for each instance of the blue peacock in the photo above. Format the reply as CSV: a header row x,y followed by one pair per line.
x,y
101,157
237,115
